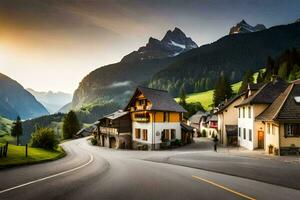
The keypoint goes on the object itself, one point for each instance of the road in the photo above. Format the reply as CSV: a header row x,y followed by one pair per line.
x,y
90,172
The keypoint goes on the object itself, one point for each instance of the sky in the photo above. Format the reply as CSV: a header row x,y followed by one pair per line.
x,y
53,44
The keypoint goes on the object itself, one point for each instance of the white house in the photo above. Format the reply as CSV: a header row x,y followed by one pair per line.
x,y
250,131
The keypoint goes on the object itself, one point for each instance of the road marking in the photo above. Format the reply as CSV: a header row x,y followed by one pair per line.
x,y
48,177
224,188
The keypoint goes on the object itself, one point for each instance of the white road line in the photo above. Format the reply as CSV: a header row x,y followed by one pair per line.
x,y
48,177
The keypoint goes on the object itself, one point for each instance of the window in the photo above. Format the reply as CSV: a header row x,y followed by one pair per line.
x,y
249,112
239,112
243,112
167,134
166,116
145,134
268,128
173,134
239,132
244,134
250,135
137,133
292,130
143,102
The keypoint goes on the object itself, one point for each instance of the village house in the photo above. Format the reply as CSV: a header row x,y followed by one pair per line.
x,y
251,132
114,130
228,121
209,125
282,122
156,118
194,121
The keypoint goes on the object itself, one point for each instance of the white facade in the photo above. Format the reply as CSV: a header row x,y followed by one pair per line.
x,y
154,131
248,128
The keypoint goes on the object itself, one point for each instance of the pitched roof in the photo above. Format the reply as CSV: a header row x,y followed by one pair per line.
x,y
284,107
186,127
255,86
229,102
266,94
196,117
161,100
115,115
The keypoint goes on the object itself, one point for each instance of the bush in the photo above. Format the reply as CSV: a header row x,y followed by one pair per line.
x,y
44,138
203,133
178,142
94,141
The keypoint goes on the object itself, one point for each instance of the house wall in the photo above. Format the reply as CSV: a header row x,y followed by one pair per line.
x,y
271,136
250,124
287,141
228,117
154,130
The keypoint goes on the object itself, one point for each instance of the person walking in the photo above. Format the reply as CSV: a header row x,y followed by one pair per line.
x,y
216,140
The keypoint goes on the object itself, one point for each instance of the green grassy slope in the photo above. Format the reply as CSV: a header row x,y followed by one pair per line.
x,y
16,156
5,127
206,98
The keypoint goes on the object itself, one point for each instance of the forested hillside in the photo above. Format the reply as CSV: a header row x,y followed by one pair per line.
x,y
198,69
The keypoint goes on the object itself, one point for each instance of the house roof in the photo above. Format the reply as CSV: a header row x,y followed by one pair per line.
x,y
186,127
196,117
229,102
284,107
266,94
161,100
115,115
255,86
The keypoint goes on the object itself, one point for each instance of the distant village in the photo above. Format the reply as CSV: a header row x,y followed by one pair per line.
x,y
266,116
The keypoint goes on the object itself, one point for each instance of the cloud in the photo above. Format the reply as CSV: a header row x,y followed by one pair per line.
x,y
120,84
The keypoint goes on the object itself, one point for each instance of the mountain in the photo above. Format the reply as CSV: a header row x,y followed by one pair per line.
x,y
15,100
66,108
115,82
198,69
195,70
172,44
244,27
53,101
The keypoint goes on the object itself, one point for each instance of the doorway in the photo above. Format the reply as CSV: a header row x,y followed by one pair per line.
x,y
261,139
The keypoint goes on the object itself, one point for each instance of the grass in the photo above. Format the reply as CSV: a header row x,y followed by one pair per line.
x,y
206,98
16,156
5,127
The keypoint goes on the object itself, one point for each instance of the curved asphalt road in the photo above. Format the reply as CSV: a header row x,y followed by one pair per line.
x,y
90,172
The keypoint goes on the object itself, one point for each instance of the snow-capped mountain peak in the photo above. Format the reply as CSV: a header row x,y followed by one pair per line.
x,y
244,27
173,43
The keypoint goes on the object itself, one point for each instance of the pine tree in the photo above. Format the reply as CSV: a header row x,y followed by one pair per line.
x,y
71,125
182,100
222,91
248,78
17,129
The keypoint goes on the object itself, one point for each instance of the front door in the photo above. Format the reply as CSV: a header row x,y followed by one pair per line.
x,y
260,139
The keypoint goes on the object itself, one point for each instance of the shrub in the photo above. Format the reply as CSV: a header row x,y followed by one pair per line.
x,y
44,138
203,133
178,142
94,141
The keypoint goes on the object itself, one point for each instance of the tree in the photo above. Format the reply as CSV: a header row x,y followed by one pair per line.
x,y
248,78
71,125
17,129
182,100
44,138
222,91
283,70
